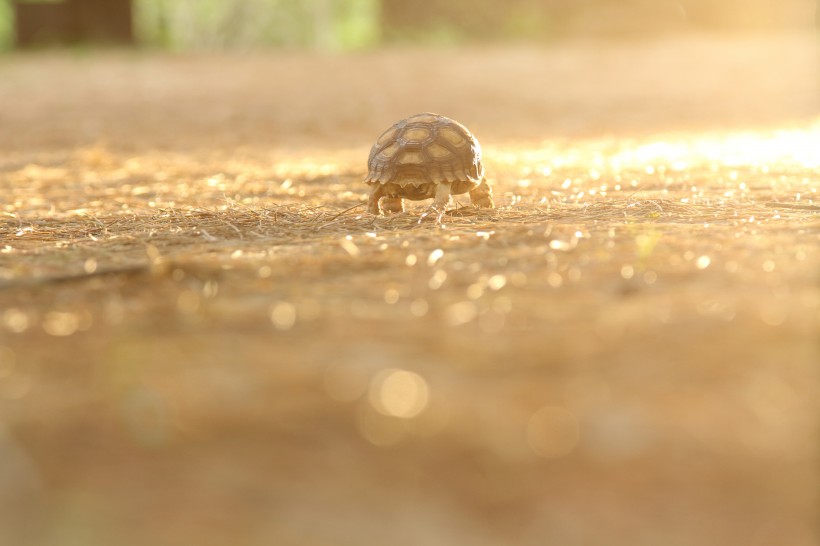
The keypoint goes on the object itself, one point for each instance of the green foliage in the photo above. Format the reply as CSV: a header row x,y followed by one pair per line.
x,y
6,25
525,22
357,24
214,24
221,24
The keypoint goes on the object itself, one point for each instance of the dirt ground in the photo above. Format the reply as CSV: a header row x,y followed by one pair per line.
x,y
204,339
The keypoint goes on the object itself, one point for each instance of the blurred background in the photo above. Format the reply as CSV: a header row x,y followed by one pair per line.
x,y
355,24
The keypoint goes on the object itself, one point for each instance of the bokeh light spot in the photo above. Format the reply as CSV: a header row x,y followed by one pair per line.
x,y
773,315
497,282
475,291
283,315
61,323
703,262
460,313
399,393
437,280
391,296
350,247
627,271
90,266
16,320
434,257
419,307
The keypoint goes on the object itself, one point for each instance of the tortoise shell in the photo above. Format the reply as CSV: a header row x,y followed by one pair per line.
x,y
416,154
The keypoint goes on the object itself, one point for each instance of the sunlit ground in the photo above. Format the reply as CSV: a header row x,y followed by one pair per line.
x,y
205,339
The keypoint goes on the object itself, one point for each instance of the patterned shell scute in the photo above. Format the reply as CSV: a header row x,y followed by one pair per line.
x,y
426,149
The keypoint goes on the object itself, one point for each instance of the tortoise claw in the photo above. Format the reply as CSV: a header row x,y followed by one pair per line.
x,y
433,212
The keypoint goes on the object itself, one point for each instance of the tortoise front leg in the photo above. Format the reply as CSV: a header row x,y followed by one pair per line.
x,y
482,196
436,210
373,201
442,196
393,204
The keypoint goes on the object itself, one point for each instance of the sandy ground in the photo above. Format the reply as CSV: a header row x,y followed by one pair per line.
x,y
204,339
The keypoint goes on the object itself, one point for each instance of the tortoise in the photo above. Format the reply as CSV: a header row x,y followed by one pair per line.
x,y
423,156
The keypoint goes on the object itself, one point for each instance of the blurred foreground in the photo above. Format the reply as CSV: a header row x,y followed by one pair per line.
x,y
204,340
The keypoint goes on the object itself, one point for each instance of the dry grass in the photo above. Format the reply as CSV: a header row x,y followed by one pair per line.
x,y
198,344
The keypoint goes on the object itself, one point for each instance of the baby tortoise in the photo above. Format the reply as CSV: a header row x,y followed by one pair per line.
x,y
424,156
